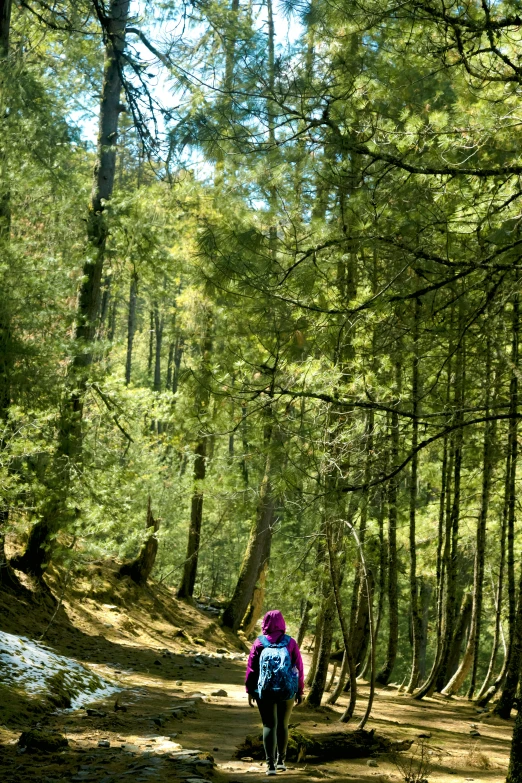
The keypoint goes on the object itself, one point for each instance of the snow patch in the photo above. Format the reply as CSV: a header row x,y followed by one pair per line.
x,y
33,667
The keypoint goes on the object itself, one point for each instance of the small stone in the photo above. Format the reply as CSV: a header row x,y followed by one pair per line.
x,y
179,682
371,763
475,733
157,663
104,744
424,735
247,758
215,750
222,650
220,692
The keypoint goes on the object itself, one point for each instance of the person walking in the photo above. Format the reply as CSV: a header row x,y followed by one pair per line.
x,y
275,680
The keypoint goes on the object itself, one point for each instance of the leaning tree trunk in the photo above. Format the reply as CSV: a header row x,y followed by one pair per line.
x,y
140,569
256,554
88,305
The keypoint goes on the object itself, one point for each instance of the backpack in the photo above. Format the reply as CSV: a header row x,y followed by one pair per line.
x,y
277,677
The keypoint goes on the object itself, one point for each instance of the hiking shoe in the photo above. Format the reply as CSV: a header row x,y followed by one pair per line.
x,y
270,768
281,765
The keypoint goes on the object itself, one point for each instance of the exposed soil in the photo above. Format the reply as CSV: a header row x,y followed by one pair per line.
x,y
168,659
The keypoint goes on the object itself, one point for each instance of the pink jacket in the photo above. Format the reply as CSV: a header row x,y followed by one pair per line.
x,y
274,627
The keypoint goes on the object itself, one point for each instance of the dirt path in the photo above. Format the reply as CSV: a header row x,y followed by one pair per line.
x,y
172,728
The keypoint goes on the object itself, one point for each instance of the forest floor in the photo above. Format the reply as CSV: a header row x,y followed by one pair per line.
x,y
168,658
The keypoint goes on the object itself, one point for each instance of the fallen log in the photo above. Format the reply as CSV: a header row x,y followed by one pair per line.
x,y
334,745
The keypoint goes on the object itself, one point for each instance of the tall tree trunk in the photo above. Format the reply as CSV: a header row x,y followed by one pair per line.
x,y
509,691
513,449
151,343
452,527
170,365
348,660
317,644
336,588
158,335
131,325
318,684
178,355
255,609
424,599
5,28
416,617
487,693
497,633
471,652
303,625
383,677
70,436
256,554
7,576
514,774
190,567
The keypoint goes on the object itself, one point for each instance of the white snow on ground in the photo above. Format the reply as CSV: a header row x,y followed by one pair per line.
x,y
29,665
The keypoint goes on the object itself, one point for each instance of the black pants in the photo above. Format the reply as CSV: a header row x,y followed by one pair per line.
x,y
276,717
